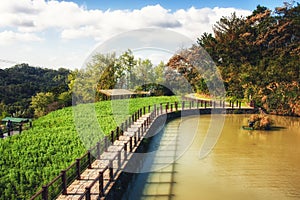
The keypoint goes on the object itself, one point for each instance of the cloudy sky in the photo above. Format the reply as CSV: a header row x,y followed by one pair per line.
x,y
57,34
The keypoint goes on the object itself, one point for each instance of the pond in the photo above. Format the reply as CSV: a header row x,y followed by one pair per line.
x,y
244,164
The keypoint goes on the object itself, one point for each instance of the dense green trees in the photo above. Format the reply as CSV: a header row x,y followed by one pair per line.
x,y
116,72
19,83
259,57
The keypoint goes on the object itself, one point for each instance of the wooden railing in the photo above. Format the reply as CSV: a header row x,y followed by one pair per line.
x,y
59,184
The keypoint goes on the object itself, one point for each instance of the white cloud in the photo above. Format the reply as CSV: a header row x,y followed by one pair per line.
x,y
73,21
30,20
197,21
10,37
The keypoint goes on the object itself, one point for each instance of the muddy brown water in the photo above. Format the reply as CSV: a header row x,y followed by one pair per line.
x,y
244,164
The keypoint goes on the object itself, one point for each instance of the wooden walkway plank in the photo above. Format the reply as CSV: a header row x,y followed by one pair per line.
x,y
78,187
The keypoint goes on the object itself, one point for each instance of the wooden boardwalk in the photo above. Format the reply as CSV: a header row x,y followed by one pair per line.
x,y
109,169
94,177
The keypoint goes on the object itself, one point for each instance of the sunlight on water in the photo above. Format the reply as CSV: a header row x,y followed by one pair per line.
x,y
243,165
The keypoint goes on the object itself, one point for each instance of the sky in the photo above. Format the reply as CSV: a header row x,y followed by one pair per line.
x,y
54,34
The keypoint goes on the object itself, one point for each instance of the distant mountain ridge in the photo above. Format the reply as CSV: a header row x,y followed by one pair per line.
x,y
20,82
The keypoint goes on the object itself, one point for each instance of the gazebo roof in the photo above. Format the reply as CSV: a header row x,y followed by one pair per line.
x,y
117,92
15,119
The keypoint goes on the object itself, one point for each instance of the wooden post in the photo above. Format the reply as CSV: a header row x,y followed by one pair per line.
x,y
160,108
240,105
171,107
119,159
87,193
142,127
144,110
112,137
101,184
129,122
64,182
117,133
223,104
45,192
205,104
214,103
125,151
111,171
176,105
20,128
122,128
154,109
89,160
78,168
190,106
98,150
130,144
105,143
149,108
201,103
182,105
146,123
134,138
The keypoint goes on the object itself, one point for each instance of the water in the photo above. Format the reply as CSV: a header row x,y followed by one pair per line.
x,y
243,165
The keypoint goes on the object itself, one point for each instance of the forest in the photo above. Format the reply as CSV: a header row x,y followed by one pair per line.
x,y
259,57
19,83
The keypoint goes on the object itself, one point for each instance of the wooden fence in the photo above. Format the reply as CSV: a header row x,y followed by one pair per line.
x,y
59,184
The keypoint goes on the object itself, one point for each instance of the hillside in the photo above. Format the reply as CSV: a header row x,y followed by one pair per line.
x,y
19,83
33,158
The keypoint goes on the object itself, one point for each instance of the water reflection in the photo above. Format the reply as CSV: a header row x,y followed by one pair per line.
x,y
243,165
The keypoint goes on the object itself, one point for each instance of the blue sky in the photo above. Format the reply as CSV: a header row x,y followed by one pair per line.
x,y
174,5
53,34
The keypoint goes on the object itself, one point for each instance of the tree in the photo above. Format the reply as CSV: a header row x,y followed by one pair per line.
x,y
41,102
123,70
258,55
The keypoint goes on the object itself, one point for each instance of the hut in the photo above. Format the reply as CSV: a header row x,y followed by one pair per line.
x,y
121,94
15,123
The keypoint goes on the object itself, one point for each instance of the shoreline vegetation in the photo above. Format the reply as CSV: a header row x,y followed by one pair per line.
x,y
260,122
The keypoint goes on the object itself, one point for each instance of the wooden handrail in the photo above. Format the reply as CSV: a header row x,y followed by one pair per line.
x,y
157,110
